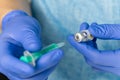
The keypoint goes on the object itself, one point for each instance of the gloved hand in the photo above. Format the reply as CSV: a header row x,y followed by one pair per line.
x,y
108,60
21,32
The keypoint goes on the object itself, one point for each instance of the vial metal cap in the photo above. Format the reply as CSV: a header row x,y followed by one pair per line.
x,y
83,36
78,37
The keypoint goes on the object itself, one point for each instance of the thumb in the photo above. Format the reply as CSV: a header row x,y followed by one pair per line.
x,y
31,41
105,31
86,50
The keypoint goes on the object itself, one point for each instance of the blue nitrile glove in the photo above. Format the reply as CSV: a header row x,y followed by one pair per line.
x,y
108,60
22,32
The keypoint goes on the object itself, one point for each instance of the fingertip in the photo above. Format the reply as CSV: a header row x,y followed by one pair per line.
x,y
75,44
69,37
71,40
84,26
50,59
58,54
53,56
94,29
33,47
94,23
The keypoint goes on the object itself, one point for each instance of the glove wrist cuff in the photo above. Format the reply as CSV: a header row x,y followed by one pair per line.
x,y
12,14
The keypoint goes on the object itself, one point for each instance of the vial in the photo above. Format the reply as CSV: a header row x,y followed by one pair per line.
x,y
83,36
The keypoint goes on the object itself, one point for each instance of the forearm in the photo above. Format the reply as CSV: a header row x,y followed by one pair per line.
x,y
9,5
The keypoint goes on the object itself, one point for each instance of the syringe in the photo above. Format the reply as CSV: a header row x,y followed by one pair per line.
x,y
31,58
